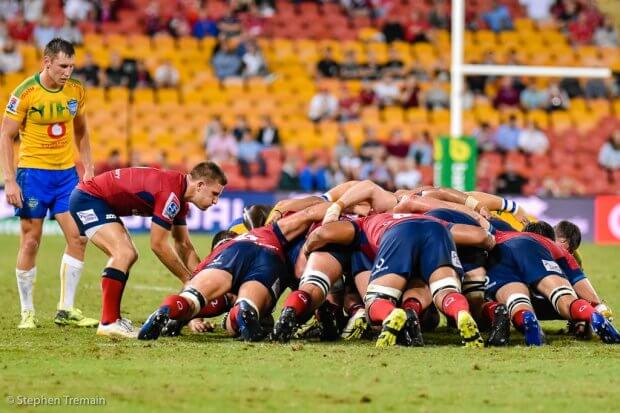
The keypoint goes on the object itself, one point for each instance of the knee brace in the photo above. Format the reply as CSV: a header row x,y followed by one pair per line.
x,y
516,299
316,278
195,297
560,292
379,291
444,284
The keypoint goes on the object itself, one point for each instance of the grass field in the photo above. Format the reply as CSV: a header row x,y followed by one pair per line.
x,y
213,373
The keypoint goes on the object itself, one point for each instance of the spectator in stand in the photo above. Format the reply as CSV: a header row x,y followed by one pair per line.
x,y
249,152
417,27
142,78
314,177
367,94
221,146
226,62
204,26
387,91
229,25
484,137
392,30
485,180
43,32
581,31
289,177
410,93
566,10
10,58
510,182
596,89
71,32
335,174
407,176
377,171
396,146
328,66
240,127
214,127
609,155
548,188
507,135
606,35
20,30
113,162
78,9
166,75
372,147
532,98
438,17
178,25
532,140
557,99
394,65
436,96
90,73
323,106
572,87
33,10
348,105
539,10
350,69
268,134
498,18
253,23
569,187
343,151
507,95
421,150
116,74
253,61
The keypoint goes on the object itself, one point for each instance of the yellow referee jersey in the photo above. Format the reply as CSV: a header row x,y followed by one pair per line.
x,y
46,118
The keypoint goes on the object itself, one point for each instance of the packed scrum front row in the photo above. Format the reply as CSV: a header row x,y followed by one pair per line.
x,y
361,260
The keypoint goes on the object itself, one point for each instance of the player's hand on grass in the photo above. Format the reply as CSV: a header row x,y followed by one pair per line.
x,y
198,325
13,194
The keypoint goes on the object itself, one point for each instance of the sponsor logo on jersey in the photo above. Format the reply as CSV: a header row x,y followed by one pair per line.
x,y
110,216
88,216
13,104
56,130
379,266
552,266
171,207
72,105
32,203
117,173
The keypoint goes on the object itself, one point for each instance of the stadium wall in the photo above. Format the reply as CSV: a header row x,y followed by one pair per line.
x,y
598,217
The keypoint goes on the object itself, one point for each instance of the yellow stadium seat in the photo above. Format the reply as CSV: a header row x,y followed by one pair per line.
x,y
168,95
143,95
117,94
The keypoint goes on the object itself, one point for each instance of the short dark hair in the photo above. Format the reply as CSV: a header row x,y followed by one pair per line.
x,y
58,45
222,236
210,171
570,231
541,228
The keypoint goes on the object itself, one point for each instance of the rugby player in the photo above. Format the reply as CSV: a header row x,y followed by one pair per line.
x,y
97,205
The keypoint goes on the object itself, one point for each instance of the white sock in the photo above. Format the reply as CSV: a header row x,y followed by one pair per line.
x,y
25,285
70,273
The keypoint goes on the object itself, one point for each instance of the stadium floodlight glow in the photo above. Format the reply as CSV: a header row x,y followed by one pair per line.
x,y
459,70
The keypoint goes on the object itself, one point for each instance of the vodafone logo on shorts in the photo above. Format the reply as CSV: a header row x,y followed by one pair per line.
x,y
56,130
607,218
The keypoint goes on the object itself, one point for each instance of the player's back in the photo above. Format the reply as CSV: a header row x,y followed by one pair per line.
x,y
136,190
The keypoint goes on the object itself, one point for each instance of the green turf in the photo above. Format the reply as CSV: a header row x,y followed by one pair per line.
x,y
213,373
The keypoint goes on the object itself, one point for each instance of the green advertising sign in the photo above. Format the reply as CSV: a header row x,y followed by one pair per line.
x,y
455,163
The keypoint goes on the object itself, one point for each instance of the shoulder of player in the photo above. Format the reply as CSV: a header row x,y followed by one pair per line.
x,y
25,87
74,83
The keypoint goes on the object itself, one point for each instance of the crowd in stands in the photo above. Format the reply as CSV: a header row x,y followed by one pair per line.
x,y
401,158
